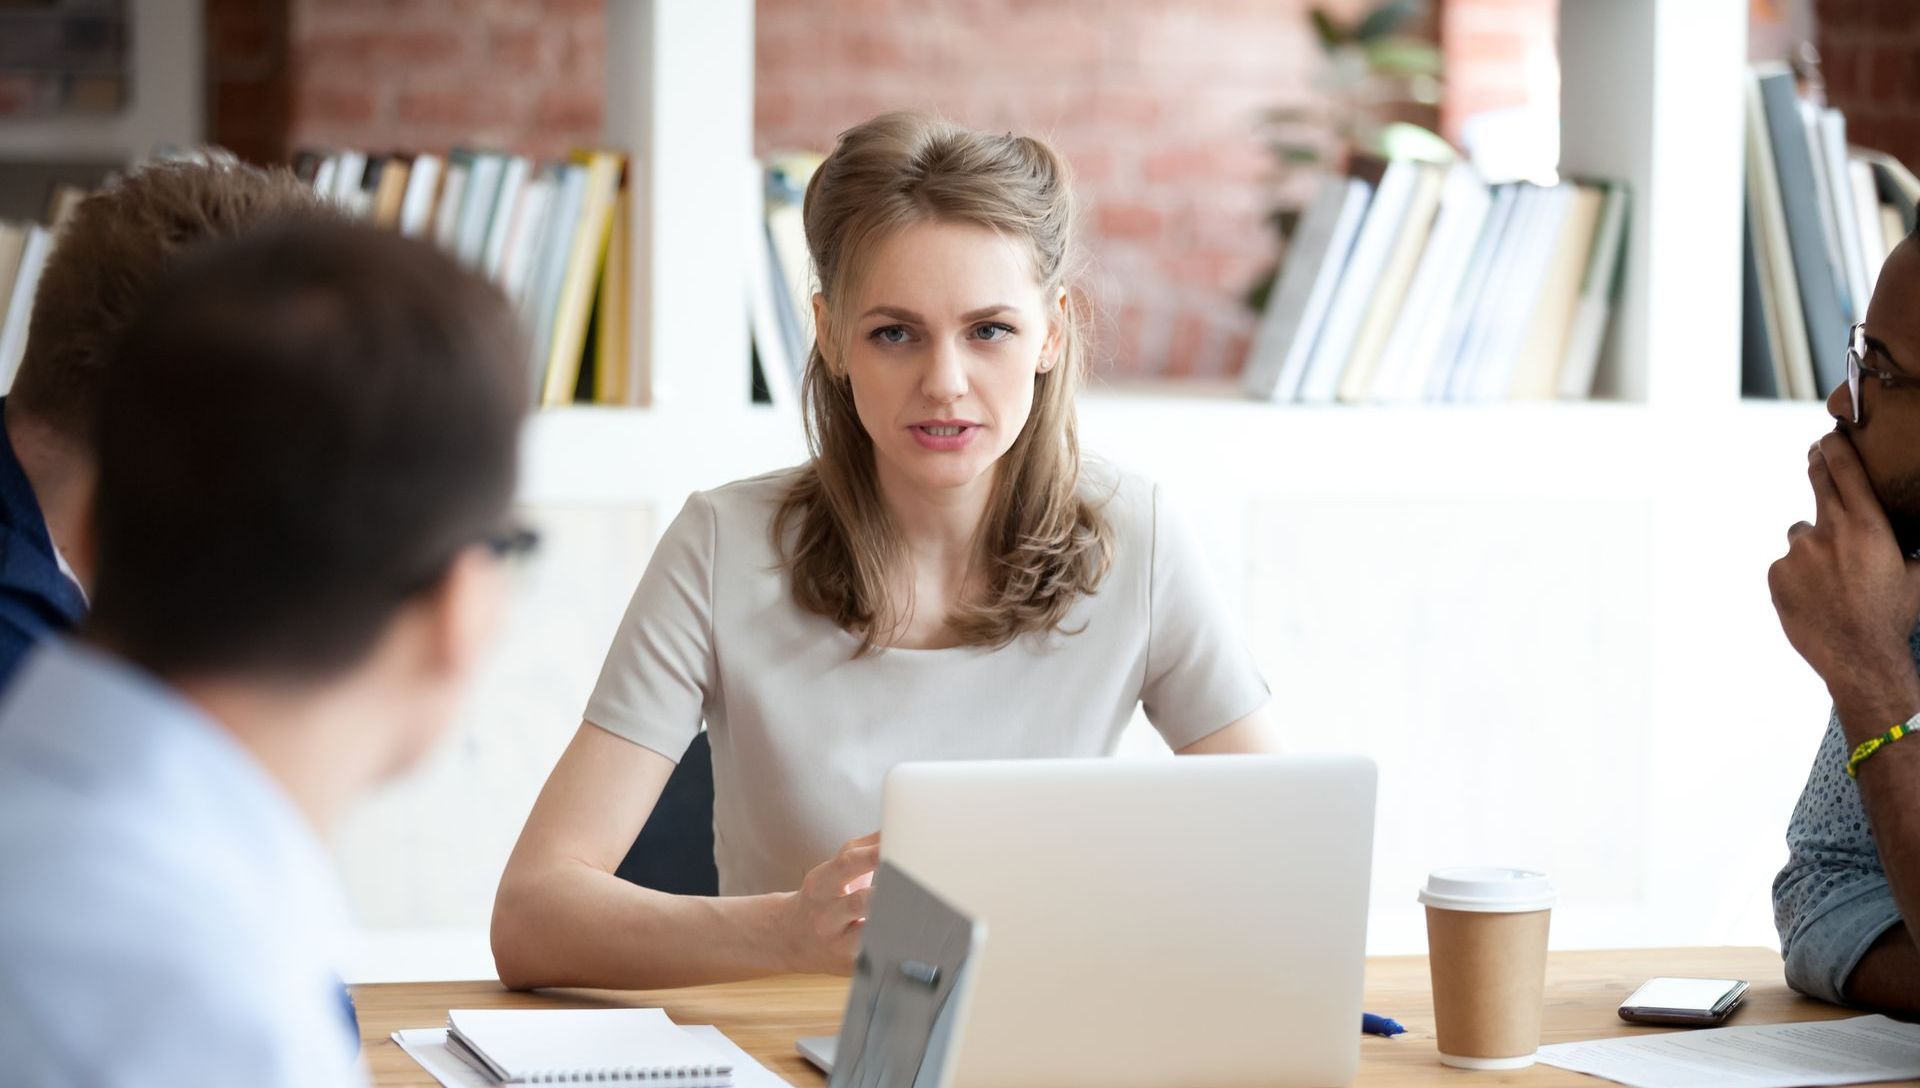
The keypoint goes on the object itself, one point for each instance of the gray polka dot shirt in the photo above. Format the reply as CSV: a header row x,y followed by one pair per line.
x,y
1832,901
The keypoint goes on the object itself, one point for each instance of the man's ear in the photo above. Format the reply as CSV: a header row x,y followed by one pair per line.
x,y
80,545
462,612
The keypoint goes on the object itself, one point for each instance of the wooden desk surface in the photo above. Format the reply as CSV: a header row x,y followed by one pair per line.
x,y
764,1018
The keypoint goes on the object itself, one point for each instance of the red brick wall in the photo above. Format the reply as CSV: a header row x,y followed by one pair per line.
x,y
1155,102
376,74
1870,56
1487,44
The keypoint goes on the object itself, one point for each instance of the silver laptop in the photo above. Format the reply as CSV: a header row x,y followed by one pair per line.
x,y
1197,921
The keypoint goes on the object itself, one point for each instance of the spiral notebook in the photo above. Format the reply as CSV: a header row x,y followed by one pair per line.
x,y
565,1046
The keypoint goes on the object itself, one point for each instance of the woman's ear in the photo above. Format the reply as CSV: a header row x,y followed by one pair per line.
x,y
1056,331
823,333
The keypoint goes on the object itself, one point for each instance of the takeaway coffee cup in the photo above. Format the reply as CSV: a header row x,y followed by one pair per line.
x,y
1487,949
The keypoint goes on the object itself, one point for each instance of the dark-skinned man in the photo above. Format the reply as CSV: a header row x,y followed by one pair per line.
x,y
1848,595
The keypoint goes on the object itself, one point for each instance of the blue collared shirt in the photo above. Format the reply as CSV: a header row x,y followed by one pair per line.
x,y
37,597
1832,901
168,916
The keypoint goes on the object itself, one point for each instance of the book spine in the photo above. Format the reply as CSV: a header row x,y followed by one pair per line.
x,y
1820,294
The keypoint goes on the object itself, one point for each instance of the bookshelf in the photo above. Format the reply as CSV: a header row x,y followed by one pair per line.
x,y
1651,94
163,104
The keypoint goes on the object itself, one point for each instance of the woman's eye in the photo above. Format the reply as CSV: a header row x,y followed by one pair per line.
x,y
993,331
889,334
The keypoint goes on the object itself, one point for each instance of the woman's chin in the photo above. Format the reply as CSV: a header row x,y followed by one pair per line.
x,y
943,471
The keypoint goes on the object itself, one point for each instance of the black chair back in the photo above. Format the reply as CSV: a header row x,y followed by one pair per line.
x,y
674,851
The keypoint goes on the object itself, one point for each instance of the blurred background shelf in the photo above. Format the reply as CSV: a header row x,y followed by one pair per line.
x,y
1197,439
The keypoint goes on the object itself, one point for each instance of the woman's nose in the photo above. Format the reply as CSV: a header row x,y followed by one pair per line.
x,y
945,379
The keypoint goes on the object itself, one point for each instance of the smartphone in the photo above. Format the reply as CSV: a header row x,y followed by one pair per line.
x,y
1684,1002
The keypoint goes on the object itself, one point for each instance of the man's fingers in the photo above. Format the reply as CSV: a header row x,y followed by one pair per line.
x,y
1797,530
1827,501
1848,474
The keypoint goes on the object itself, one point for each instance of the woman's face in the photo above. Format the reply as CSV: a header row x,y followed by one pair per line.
x,y
944,338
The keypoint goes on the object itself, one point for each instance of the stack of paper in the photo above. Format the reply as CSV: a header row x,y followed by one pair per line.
x,y
1862,1050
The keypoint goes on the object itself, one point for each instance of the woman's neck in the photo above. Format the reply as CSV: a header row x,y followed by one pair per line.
x,y
939,533
940,528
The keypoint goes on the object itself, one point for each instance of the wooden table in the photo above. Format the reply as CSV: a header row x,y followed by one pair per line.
x,y
1583,989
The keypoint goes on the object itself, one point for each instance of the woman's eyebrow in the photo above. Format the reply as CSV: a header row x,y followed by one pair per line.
x,y
901,314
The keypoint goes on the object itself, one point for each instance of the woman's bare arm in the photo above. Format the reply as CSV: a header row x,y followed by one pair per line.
x,y
562,918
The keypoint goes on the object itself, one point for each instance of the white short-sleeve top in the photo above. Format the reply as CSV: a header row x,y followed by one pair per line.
x,y
804,732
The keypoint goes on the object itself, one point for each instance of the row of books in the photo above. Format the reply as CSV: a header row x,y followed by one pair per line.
x,y
23,255
553,235
780,277
1821,217
1421,282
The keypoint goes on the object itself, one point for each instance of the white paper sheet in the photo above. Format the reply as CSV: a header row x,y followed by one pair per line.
x,y
1857,1051
747,1073
428,1046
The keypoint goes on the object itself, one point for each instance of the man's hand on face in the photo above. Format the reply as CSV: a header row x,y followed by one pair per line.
x,y
1847,598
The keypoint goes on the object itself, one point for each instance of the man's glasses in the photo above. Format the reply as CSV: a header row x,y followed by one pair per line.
x,y
513,542
510,544
1857,369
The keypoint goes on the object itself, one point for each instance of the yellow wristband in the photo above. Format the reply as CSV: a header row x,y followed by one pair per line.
x,y
1868,747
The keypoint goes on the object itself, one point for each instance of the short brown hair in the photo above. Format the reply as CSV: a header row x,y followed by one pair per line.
x,y
299,431
107,258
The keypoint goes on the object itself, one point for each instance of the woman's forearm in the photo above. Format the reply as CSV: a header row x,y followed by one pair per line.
x,y
567,923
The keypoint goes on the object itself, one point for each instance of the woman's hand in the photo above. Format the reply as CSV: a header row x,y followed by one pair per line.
x,y
821,922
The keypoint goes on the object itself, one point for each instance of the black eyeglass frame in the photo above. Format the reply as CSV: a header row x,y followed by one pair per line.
x,y
513,542
510,544
1857,369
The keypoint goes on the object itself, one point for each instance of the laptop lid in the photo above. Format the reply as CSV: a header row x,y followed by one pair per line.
x,y
1197,921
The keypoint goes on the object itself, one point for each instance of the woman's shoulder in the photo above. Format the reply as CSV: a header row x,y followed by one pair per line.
x,y
750,500
731,525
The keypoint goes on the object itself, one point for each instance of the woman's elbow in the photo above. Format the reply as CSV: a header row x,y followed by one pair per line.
x,y
517,957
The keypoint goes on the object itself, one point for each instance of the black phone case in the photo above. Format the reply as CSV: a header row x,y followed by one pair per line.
x,y
1676,1020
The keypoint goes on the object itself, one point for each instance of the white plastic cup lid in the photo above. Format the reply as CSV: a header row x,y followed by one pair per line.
x,y
1502,891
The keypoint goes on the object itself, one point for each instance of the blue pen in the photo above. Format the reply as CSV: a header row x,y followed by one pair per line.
x,y
1380,1025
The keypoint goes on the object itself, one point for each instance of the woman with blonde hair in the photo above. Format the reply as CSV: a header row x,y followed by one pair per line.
x,y
943,579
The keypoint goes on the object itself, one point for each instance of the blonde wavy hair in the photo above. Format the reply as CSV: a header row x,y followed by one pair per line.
x,y
1043,543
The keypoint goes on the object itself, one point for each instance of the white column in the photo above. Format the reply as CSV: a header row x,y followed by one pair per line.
x,y
680,103
1651,93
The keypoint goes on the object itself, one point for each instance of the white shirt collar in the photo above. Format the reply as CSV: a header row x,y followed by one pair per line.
x,y
60,557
